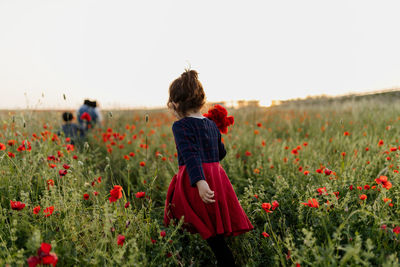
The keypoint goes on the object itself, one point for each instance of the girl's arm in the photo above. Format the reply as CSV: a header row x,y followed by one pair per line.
x,y
188,148
221,147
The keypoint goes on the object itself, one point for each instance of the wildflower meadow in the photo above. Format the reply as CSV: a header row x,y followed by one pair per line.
x,y
319,182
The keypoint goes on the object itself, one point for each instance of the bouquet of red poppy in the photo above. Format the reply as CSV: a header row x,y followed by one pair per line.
x,y
220,116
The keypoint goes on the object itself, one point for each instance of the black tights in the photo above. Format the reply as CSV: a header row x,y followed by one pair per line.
x,y
221,251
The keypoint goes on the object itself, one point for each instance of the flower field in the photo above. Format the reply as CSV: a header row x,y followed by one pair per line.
x,y
320,184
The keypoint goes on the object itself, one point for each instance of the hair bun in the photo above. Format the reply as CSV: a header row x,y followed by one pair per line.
x,y
189,74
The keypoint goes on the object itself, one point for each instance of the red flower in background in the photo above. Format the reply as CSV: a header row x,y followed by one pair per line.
x,y
62,172
16,205
162,233
265,234
140,194
313,203
266,207
48,211
86,116
66,166
44,257
2,146
120,240
36,210
396,230
50,182
275,204
86,196
116,193
219,115
384,181
11,142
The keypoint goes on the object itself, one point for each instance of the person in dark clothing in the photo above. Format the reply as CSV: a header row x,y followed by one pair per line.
x,y
70,129
88,114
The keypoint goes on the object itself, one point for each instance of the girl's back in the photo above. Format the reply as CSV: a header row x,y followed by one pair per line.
x,y
199,135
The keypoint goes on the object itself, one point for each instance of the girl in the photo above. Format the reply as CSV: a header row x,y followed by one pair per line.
x,y
201,190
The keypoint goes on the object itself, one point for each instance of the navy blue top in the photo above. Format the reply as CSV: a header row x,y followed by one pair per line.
x,y
197,141
73,130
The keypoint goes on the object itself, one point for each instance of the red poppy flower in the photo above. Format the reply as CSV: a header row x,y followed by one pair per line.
x,y
86,116
11,142
66,166
116,193
16,205
11,155
363,197
396,230
140,194
127,204
2,146
265,234
120,240
62,172
313,203
142,163
328,171
162,233
321,190
48,211
351,187
219,115
275,204
45,257
50,182
86,196
266,207
384,181
36,210
380,143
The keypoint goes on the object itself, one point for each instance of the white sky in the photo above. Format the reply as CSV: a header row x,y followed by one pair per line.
x,y
126,53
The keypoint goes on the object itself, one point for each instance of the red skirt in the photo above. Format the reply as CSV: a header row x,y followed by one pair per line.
x,y
224,216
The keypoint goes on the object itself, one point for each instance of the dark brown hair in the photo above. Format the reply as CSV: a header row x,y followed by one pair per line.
x,y
187,92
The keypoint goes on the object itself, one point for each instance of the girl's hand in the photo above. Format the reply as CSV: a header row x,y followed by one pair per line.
x,y
205,192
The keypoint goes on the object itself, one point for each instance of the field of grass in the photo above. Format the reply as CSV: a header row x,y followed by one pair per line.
x,y
331,167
